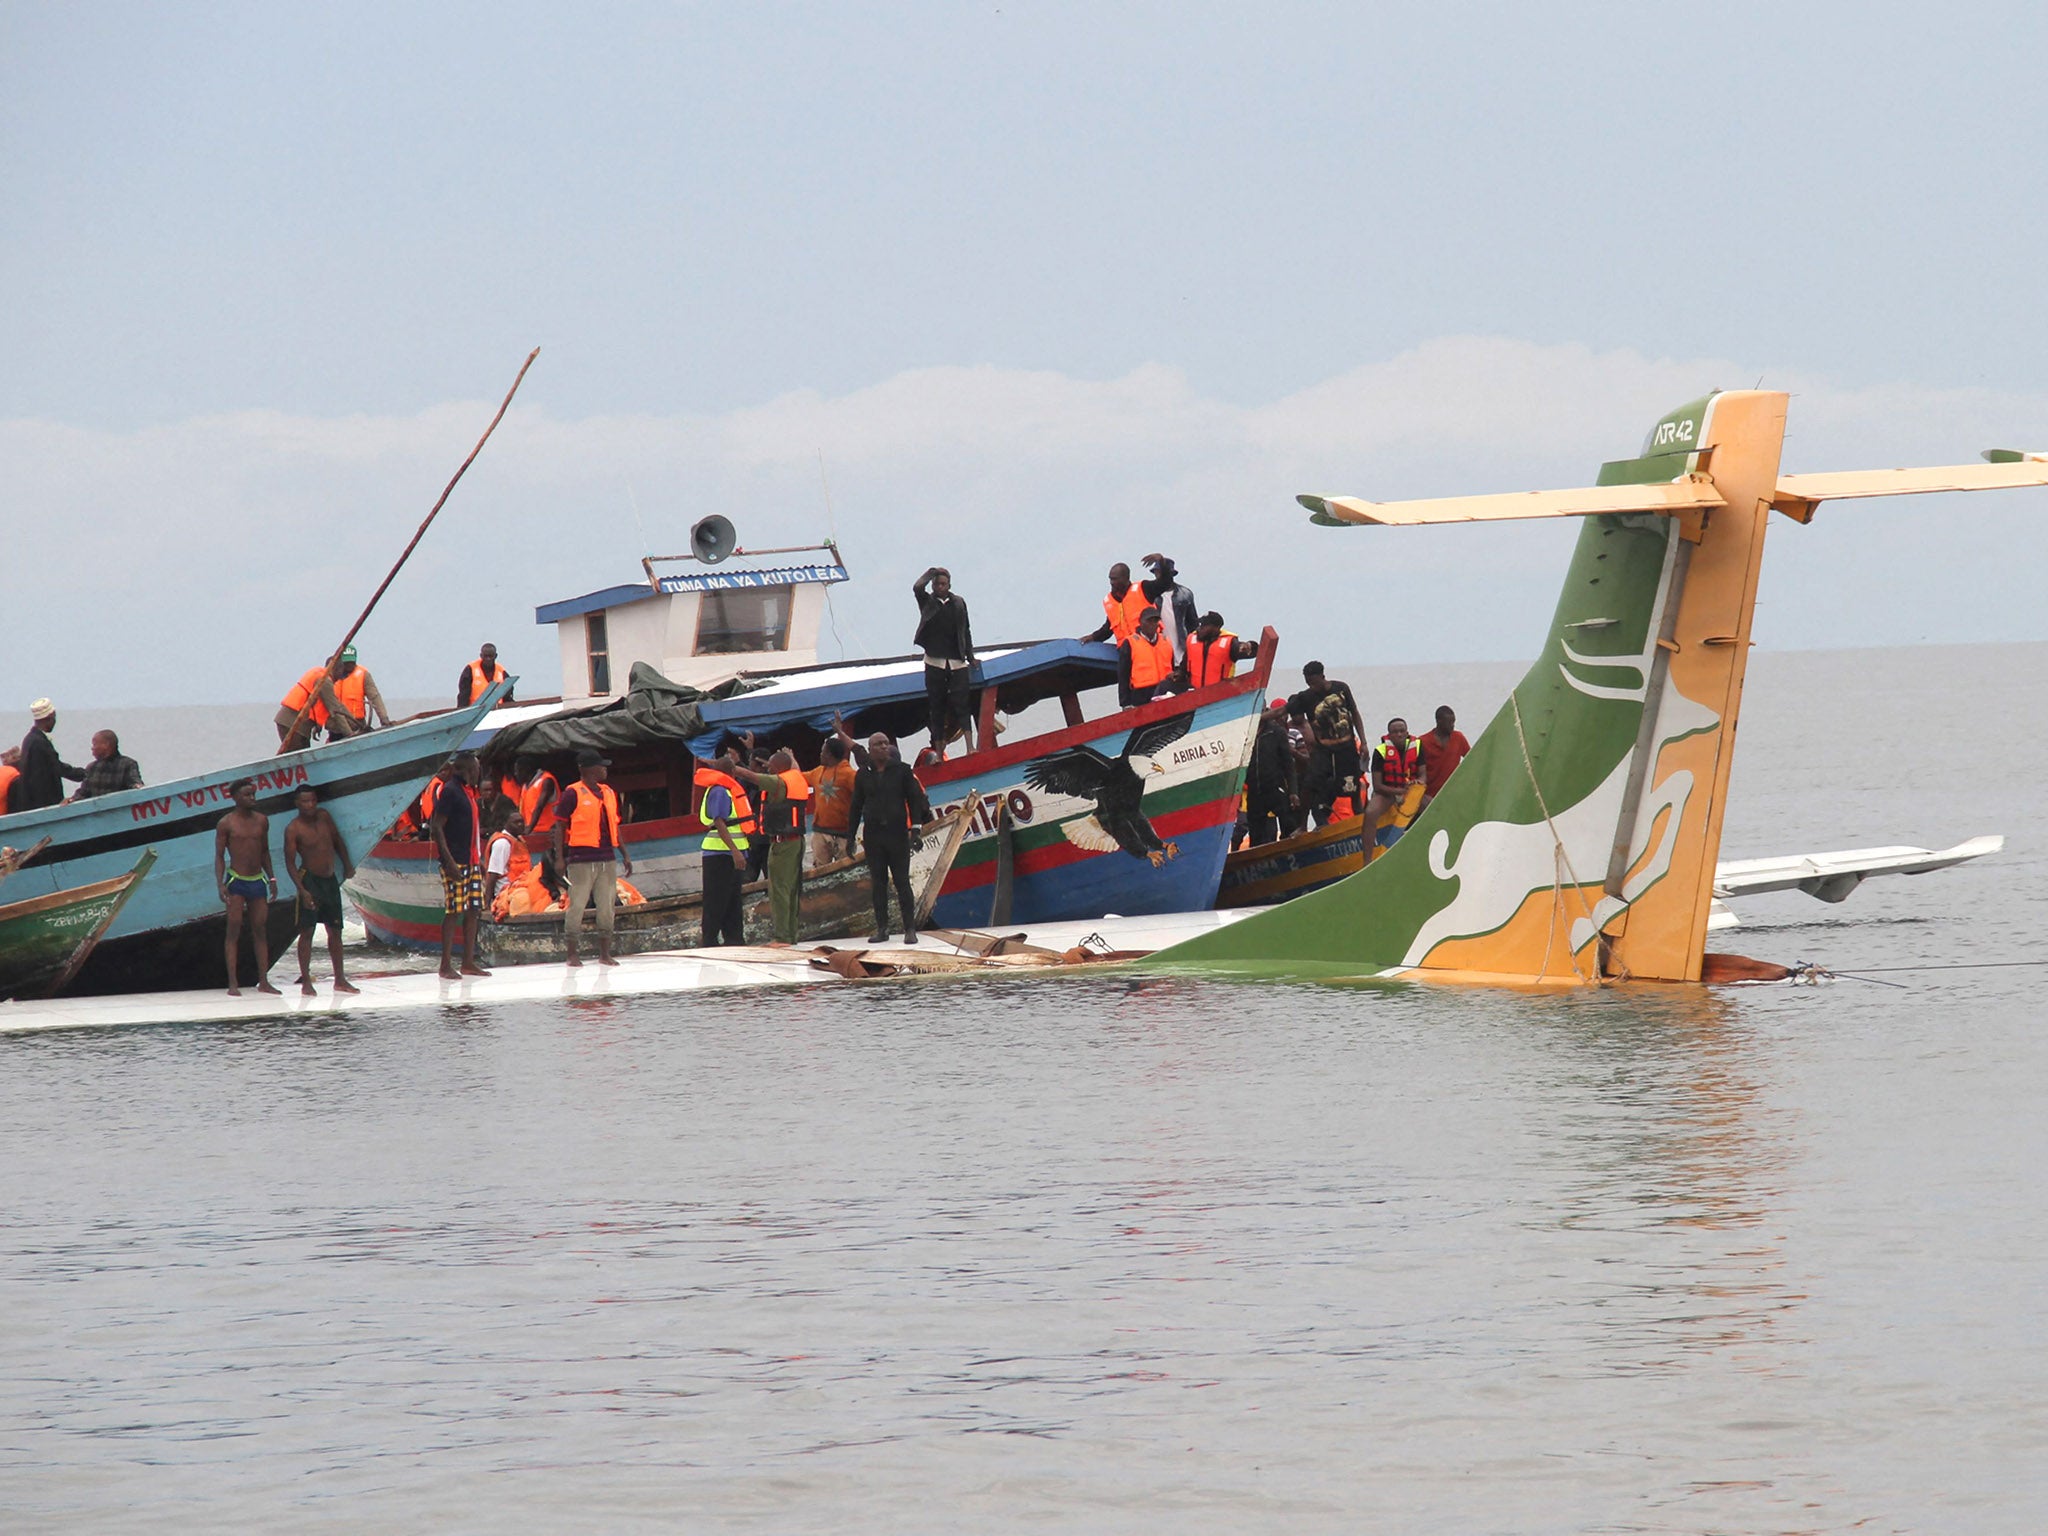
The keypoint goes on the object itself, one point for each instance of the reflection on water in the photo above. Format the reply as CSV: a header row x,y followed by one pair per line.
x,y
1677,1145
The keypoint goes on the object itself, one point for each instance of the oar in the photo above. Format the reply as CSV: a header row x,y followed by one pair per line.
x,y
10,861
363,617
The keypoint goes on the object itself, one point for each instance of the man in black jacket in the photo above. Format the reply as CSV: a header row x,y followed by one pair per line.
x,y
42,770
948,646
1178,615
887,802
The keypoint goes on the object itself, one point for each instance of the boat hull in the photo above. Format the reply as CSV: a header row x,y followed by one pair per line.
x,y
44,939
1293,866
400,903
1192,805
171,931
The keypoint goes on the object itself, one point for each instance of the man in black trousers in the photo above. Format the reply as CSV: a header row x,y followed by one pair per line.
x,y
948,645
887,803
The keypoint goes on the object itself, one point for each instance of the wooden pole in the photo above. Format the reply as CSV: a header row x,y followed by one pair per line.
x,y
420,533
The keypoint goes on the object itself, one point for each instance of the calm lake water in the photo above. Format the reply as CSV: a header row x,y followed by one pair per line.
x,y
1099,1255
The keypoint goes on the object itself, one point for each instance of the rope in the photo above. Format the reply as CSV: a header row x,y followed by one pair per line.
x,y
1558,855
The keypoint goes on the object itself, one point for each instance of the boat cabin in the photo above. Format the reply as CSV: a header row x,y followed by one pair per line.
x,y
699,627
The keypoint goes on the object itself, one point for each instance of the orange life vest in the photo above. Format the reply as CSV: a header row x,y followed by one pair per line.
x,y
479,680
306,688
586,829
1151,660
1123,613
519,860
537,804
1400,768
429,798
740,823
350,691
787,819
1212,663
8,774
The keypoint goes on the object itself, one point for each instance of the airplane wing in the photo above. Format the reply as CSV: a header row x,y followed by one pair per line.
x,y
1668,496
1832,876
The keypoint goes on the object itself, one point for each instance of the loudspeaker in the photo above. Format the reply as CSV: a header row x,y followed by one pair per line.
x,y
713,539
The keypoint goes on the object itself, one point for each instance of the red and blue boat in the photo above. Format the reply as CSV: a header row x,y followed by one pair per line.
x,y
1128,813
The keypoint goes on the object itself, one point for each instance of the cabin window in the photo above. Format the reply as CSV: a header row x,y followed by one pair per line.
x,y
743,619
599,642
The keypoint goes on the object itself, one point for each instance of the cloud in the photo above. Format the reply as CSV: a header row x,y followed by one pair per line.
x,y
213,559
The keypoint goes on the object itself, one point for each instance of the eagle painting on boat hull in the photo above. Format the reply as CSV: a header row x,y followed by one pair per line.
x,y
1117,786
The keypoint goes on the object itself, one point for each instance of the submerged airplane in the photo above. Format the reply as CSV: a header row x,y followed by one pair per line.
x,y
1577,843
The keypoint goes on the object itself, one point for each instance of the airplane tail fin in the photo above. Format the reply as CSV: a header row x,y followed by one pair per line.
x,y
1578,839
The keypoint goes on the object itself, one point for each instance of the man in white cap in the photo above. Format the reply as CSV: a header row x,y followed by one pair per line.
x,y
42,770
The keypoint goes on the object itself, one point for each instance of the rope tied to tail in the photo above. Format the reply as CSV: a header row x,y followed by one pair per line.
x,y
1560,857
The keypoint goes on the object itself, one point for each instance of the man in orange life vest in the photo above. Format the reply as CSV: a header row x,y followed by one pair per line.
x,y
506,859
10,775
1145,665
538,796
1120,609
1396,764
344,699
590,846
1213,653
478,676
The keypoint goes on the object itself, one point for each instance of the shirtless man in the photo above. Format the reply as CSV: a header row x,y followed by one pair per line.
x,y
241,868
312,845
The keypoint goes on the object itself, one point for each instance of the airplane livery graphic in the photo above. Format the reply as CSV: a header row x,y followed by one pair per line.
x,y
1117,786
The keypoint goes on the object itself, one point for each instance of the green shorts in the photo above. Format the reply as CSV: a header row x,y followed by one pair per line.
x,y
319,901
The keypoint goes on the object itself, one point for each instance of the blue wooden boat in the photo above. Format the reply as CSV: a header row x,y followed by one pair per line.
x,y
170,931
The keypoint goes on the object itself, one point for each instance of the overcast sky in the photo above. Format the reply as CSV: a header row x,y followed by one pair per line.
x,y
1036,287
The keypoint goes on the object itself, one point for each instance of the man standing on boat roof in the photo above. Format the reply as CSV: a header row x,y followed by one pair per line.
x,y
948,645
887,803
42,770
109,772
478,676
1178,615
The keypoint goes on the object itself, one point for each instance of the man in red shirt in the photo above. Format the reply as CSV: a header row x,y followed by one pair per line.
x,y
1442,750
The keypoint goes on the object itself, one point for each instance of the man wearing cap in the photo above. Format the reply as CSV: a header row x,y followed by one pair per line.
x,y
1176,604
42,770
590,848
342,698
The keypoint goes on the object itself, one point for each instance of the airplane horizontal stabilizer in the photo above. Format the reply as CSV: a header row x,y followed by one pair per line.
x,y
1797,495
1667,496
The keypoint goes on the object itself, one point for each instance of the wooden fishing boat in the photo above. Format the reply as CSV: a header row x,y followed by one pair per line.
x,y
1293,866
45,939
835,905
171,934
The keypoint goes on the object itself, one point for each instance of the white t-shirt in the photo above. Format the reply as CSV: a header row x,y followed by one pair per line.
x,y
501,855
